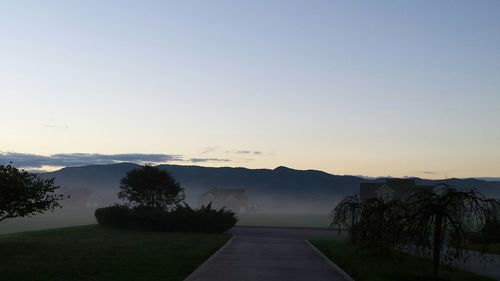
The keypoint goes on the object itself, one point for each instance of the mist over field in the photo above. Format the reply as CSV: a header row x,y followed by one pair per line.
x,y
277,197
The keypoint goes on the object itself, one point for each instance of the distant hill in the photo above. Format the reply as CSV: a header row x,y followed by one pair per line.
x,y
488,178
280,188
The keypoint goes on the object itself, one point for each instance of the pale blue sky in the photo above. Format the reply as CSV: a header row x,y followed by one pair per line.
x,y
350,87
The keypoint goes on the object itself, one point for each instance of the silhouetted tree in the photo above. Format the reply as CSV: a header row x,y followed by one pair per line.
x,y
347,215
381,224
490,232
150,187
24,194
441,217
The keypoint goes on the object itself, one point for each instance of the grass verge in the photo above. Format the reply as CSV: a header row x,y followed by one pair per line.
x,y
95,252
399,268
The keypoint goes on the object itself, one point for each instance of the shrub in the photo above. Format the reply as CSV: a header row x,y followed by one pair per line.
x,y
205,219
117,216
180,219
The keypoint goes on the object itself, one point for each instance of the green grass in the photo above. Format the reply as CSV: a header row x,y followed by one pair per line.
x,y
100,253
81,216
401,268
57,219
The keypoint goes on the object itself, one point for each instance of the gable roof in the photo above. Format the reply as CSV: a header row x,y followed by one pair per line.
x,y
384,187
400,187
239,194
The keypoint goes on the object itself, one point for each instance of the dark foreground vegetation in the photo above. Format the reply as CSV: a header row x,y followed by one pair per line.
x,y
102,253
436,223
154,203
180,219
362,266
23,194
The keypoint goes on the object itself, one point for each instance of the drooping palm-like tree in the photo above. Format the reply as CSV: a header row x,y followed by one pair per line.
x,y
347,215
381,225
439,218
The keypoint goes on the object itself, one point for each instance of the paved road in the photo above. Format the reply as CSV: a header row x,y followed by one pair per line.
x,y
269,254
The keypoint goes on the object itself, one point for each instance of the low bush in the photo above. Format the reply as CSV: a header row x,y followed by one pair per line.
x,y
181,219
117,216
205,219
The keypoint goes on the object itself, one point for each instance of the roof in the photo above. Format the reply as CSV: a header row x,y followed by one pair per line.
x,y
239,194
367,190
399,186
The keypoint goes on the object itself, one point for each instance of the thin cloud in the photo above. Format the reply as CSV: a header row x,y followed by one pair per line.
x,y
54,126
254,152
202,160
209,149
81,159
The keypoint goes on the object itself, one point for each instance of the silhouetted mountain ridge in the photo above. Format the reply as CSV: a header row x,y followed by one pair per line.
x,y
270,187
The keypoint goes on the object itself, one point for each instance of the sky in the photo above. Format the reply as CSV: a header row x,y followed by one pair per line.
x,y
375,88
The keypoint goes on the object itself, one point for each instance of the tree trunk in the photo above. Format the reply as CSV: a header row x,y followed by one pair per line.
x,y
436,247
351,234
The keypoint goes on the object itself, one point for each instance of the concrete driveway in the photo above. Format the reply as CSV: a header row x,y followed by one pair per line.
x,y
277,254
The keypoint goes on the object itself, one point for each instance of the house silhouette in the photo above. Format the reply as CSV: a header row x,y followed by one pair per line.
x,y
390,189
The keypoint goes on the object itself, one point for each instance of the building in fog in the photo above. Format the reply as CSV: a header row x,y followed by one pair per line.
x,y
233,199
389,190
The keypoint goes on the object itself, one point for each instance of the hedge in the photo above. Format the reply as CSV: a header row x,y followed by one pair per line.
x,y
181,219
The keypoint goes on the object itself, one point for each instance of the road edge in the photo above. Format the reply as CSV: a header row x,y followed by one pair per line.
x,y
336,267
200,267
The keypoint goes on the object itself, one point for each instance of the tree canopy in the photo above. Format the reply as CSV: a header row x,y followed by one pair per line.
x,y
25,194
150,187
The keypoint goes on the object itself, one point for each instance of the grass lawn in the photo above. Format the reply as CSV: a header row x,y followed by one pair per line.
x,y
57,219
99,253
403,267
